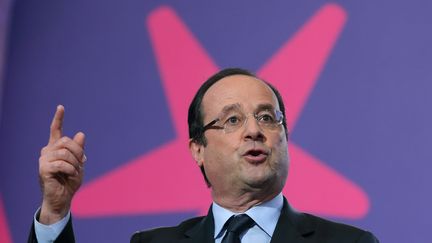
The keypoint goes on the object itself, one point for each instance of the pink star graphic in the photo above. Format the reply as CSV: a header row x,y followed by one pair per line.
x,y
5,235
167,180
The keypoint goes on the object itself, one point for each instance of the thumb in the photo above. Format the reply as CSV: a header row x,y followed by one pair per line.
x,y
79,138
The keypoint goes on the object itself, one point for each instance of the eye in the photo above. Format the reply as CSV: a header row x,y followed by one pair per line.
x,y
233,120
266,118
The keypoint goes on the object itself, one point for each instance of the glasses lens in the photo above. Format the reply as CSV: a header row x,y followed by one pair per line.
x,y
269,118
233,121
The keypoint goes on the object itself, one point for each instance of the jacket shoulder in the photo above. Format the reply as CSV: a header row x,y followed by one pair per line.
x,y
165,234
335,232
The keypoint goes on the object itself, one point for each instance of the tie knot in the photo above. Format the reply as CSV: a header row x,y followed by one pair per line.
x,y
239,223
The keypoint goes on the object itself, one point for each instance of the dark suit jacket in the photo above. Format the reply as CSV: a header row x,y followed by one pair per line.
x,y
292,227
66,236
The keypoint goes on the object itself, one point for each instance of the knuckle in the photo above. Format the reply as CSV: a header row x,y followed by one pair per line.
x,y
42,160
43,150
42,169
62,152
58,165
65,140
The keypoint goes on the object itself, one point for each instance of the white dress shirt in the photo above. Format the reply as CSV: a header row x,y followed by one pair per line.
x,y
265,216
48,233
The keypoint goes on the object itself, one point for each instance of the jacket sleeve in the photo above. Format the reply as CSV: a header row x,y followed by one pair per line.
x,y
66,236
367,237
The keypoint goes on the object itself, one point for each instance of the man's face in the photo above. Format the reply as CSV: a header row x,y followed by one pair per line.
x,y
251,157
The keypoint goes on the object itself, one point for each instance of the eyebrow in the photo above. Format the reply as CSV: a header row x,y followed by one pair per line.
x,y
265,107
228,108
237,106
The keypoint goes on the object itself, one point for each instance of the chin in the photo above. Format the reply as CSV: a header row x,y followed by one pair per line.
x,y
260,180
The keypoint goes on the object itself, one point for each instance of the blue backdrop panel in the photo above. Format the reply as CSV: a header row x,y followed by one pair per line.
x,y
366,116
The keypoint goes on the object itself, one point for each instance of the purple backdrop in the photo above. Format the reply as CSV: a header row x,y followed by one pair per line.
x,y
366,117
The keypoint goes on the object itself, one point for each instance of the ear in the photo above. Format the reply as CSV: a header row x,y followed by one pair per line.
x,y
197,151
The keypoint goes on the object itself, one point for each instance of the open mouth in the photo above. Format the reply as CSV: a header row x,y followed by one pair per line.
x,y
255,156
254,152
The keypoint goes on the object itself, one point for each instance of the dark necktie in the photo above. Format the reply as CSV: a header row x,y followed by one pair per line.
x,y
236,225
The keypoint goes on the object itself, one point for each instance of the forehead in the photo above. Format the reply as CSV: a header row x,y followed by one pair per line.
x,y
247,91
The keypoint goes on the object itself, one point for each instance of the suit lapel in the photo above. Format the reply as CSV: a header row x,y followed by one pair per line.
x,y
201,232
292,226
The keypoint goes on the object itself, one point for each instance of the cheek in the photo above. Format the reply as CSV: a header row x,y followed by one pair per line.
x,y
220,155
222,147
220,158
280,150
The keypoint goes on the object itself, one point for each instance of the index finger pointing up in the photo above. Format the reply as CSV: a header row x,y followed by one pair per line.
x,y
57,125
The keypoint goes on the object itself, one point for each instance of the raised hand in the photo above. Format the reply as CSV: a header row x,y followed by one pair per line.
x,y
61,170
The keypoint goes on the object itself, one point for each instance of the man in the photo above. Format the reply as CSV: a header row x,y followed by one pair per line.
x,y
238,137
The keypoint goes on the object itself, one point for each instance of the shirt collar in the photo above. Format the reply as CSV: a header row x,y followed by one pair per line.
x,y
265,215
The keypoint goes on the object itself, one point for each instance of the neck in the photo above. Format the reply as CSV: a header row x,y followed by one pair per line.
x,y
242,201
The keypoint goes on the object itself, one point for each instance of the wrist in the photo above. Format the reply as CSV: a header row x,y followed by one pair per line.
x,y
50,215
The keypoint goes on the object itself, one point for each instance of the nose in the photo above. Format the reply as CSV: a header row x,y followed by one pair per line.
x,y
252,130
